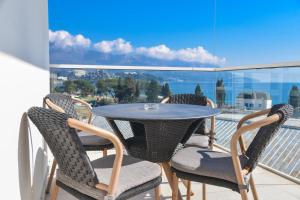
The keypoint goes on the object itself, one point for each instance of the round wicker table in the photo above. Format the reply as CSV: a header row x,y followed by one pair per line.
x,y
156,133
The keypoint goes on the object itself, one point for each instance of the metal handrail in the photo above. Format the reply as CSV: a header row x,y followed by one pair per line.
x,y
166,68
121,67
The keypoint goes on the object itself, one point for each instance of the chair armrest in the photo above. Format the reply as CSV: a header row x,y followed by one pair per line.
x,y
93,130
53,106
236,137
165,100
87,106
251,116
210,103
246,118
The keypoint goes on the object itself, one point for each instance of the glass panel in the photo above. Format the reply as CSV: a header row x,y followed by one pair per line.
x,y
237,93
248,91
128,86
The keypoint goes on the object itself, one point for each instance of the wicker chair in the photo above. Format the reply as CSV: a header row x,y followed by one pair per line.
x,y
200,137
65,104
233,170
112,177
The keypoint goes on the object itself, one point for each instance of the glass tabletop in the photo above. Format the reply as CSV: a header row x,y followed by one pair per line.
x,y
140,111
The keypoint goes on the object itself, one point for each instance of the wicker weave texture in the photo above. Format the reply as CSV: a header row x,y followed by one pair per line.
x,y
266,133
193,100
65,102
155,141
64,144
163,137
188,99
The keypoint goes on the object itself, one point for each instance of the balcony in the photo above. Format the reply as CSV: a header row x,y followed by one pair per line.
x,y
278,175
269,186
240,90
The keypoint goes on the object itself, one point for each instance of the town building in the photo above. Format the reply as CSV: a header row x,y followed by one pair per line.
x,y
253,100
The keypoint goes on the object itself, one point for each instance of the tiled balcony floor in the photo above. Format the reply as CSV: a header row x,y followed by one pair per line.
x,y
269,185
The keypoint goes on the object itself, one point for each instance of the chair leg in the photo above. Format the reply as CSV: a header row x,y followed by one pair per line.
x,y
104,152
54,163
157,193
169,174
189,192
243,193
253,188
203,191
175,187
186,183
54,192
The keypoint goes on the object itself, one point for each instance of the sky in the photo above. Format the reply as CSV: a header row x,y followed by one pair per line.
x,y
217,32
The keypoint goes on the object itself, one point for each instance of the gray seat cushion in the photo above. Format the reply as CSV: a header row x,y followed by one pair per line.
x,y
92,140
204,162
102,123
134,172
198,141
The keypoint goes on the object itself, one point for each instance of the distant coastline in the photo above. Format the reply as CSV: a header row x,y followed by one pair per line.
x,y
186,81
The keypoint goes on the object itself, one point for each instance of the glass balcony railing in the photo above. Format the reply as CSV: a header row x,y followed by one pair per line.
x,y
237,91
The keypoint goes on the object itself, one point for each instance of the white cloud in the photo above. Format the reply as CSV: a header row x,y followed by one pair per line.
x,y
159,52
118,46
63,39
198,54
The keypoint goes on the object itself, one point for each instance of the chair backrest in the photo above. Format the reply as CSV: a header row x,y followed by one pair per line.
x,y
193,100
65,145
188,99
266,133
65,102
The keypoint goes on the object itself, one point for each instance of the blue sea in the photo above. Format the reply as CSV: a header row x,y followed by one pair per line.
x,y
275,82
279,91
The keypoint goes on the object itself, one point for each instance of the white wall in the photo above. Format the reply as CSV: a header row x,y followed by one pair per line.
x,y
24,80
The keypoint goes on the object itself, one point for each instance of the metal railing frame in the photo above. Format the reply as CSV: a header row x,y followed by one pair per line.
x,y
166,68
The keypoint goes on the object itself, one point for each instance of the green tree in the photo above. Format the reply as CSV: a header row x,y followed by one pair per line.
x,y
125,90
59,89
101,87
137,90
152,91
111,82
198,90
294,97
119,82
118,90
70,87
165,90
111,86
129,89
85,87
220,93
